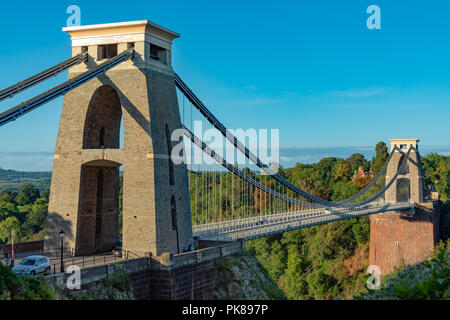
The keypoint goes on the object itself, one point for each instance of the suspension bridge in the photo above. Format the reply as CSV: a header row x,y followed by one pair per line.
x,y
122,73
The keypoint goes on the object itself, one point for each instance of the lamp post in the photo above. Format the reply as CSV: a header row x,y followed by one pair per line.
x,y
12,248
61,235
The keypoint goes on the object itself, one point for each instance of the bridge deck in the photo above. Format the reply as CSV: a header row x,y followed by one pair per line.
x,y
255,227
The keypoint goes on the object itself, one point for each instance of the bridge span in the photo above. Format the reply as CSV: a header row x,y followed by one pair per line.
x,y
256,227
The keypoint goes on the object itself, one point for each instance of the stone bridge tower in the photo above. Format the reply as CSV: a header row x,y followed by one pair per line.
x,y
409,184
397,237
141,94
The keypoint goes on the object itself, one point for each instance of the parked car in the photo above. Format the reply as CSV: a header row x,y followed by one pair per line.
x,y
117,249
33,265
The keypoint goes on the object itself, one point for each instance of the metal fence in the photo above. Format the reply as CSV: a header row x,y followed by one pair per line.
x,y
89,261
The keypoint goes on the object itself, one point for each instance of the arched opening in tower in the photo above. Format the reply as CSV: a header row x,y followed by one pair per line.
x,y
102,127
98,223
403,182
405,170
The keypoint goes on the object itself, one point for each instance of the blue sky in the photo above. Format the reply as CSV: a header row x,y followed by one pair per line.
x,y
309,68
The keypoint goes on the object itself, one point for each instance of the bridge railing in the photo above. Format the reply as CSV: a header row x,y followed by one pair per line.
x,y
88,261
206,254
291,221
56,252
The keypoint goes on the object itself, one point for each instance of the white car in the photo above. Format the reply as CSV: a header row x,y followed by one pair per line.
x,y
33,265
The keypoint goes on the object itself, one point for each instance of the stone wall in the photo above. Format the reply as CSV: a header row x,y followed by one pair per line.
x,y
185,276
195,281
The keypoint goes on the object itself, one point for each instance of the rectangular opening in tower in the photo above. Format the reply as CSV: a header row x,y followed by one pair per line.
x,y
107,51
158,53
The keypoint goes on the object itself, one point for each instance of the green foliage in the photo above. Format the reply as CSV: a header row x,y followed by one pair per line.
x,y
20,287
36,218
321,285
7,209
8,225
341,171
343,190
381,155
25,213
119,280
361,230
46,194
304,262
329,261
27,195
357,160
8,196
436,170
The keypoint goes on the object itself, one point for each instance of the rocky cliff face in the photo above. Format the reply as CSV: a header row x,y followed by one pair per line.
x,y
240,277
116,287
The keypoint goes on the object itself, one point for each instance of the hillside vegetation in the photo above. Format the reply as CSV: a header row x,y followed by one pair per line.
x,y
241,277
20,287
24,212
329,261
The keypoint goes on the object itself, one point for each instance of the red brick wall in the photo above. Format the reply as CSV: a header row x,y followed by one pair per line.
x,y
23,247
397,239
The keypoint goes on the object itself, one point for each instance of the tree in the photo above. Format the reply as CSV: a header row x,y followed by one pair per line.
x,y
361,229
46,194
277,261
343,190
36,219
293,279
8,196
321,285
27,195
8,225
381,155
355,161
7,209
342,172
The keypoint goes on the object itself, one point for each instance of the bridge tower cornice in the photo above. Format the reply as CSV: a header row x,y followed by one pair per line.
x,y
404,143
152,44
142,30
409,185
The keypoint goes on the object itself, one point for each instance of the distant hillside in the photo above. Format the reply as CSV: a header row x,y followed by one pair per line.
x,y
13,180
